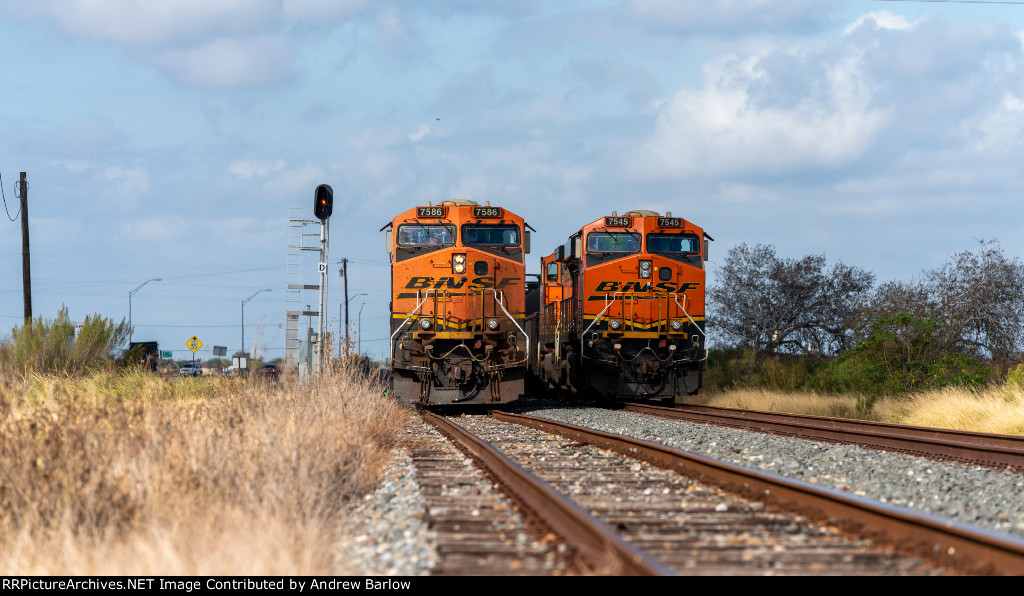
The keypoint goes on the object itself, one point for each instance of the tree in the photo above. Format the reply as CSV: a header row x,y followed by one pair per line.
x,y
772,304
980,295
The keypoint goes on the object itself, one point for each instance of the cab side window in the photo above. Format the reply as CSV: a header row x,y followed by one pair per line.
x,y
552,272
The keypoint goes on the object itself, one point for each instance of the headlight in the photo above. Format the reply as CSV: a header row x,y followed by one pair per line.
x,y
677,325
615,324
492,324
459,263
645,269
425,323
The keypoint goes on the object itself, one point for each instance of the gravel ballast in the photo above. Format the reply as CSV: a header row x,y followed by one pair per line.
x,y
392,539
974,495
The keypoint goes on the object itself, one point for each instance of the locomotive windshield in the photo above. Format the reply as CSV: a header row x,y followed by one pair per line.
x,y
602,242
490,235
426,235
687,244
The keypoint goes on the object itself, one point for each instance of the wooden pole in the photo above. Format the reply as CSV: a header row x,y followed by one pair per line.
x,y
26,270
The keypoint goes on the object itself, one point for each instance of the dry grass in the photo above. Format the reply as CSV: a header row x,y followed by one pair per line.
x,y
135,474
997,409
814,404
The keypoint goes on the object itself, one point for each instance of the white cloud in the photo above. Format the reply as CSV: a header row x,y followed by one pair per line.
x,y
130,184
735,125
882,19
157,22
230,63
203,43
1000,131
420,133
73,165
321,10
722,16
149,230
245,168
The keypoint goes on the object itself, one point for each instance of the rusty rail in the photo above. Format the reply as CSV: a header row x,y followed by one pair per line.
x,y
1005,452
597,546
948,543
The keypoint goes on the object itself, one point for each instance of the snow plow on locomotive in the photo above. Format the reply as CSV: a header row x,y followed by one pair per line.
x,y
457,304
620,309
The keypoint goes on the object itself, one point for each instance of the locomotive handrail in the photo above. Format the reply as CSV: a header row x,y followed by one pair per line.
x,y
612,300
683,308
499,299
607,305
414,311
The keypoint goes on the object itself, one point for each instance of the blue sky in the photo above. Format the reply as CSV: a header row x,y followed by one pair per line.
x,y
175,139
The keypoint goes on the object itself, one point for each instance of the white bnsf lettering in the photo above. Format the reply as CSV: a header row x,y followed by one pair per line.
x,y
610,287
453,283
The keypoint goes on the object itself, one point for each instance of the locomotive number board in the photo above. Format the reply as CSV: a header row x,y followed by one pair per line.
x,y
670,222
430,212
617,222
486,211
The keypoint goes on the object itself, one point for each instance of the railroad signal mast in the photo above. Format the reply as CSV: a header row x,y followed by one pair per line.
x,y
323,205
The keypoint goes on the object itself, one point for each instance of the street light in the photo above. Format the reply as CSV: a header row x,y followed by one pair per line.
x,y
243,315
130,294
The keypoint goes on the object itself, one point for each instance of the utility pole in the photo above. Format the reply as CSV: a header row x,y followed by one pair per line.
x,y
26,270
344,274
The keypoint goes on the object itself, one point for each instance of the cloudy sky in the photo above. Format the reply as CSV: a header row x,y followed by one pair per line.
x,y
176,139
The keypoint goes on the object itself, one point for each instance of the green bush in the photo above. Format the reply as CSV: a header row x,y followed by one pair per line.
x,y
900,354
1016,376
51,346
736,367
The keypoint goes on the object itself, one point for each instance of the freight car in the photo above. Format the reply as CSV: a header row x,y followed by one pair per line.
x,y
457,304
620,309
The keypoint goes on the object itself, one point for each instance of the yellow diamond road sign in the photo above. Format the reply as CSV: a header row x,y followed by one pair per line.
x,y
194,344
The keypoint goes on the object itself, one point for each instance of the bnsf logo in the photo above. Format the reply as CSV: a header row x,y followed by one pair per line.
x,y
425,283
610,287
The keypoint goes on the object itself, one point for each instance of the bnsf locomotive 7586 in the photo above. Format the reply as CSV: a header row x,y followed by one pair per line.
x,y
457,304
621,309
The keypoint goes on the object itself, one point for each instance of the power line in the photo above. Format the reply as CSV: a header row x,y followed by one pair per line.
x,y
6,210
958,1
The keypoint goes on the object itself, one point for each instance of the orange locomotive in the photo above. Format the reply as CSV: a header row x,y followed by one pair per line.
x,y
621,309
457,297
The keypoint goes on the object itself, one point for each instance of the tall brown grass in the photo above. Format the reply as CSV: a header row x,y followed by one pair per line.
x,y
996,409
132,473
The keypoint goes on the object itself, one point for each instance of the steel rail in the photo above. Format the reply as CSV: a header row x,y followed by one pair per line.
x,y
1004,452
948,543
597,545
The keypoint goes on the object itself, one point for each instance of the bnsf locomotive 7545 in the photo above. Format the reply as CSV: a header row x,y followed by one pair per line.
x,y
457,304
621,309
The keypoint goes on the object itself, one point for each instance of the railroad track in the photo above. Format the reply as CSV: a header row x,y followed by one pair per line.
x,y
479,530
1002,452
691,515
